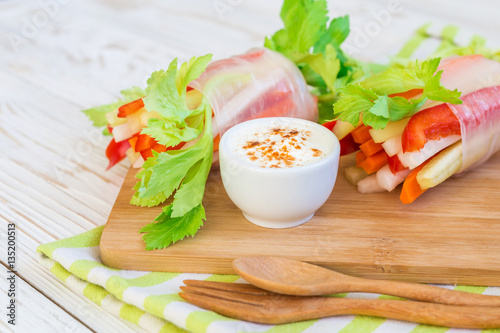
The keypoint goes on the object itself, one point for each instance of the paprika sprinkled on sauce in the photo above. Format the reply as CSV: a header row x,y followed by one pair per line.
x,y
280,146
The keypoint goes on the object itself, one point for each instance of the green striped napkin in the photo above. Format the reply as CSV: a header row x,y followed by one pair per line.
x,y
151,300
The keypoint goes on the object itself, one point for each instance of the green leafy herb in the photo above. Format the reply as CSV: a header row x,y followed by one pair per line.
x,y
313,41
307,41
370,98
162,85
325,111
326,65
167,134
335,35
144,175
181,173
168,229
304,22
98,114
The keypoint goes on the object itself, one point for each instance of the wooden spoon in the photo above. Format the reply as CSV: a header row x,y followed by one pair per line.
x,y
292,277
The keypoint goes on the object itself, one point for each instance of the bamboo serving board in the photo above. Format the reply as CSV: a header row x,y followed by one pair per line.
x,y
451,234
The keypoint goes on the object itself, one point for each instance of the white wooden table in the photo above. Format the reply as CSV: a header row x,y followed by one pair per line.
x,y
59,56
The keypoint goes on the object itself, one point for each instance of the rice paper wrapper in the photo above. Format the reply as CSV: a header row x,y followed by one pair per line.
x,y
479,117
260,83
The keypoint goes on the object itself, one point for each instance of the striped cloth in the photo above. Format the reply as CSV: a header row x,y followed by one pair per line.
x,y
151,300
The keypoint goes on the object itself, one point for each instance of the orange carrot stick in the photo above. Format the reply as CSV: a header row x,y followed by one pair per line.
x,y
411,188
361,134
370,147
374,163
130,108
360,157
216,142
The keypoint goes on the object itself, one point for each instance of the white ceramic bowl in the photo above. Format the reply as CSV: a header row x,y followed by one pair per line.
x,y
278,197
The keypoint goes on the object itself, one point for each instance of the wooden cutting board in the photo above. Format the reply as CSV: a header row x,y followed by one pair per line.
x,y
450,235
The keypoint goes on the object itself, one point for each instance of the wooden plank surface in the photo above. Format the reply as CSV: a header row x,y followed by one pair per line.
x,y
449,235
52,178
46,315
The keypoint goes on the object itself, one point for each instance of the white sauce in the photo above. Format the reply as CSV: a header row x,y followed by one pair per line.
x,y
279,145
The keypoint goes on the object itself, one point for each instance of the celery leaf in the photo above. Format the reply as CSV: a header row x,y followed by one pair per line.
x,y
370,98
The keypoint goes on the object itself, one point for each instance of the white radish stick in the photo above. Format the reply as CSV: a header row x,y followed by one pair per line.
x,y
388,180
431,147
393,146
369,185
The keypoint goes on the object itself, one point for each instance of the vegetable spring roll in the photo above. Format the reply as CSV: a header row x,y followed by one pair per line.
x,y
442,137
475,121
479,118
260,83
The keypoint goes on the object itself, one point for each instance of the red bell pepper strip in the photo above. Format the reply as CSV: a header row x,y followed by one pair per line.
x,y
395,164
278,109
159,148
408,94
330,124
116,152
276,102
430,124
146,153
347,145
130,108
144,142
235,60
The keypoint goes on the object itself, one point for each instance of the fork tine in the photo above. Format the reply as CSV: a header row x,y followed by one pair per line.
x,y
255,300
281,309
264,309
227,308
242,288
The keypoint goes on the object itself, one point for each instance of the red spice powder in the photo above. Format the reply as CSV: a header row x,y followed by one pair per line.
x,y
277,152
316,152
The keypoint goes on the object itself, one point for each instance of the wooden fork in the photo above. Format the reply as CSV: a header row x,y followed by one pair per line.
x,y
250,303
